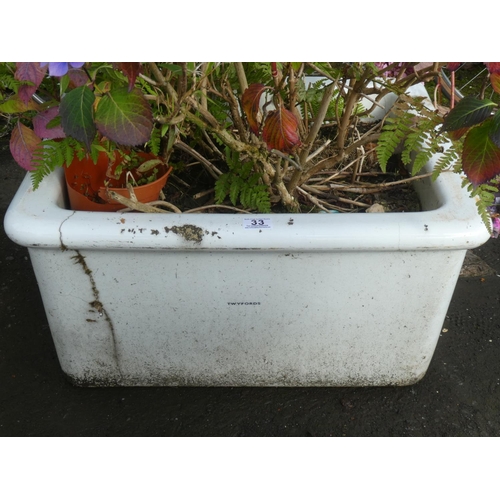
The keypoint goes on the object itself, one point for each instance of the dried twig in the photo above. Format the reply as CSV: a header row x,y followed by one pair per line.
x,y
141,207
210,167
312,199
203,193
375,188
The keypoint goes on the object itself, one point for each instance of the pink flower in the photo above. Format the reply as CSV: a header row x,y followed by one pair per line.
x,y
394,71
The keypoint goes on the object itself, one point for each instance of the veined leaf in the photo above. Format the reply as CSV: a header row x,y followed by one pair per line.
x,y
495,82
23,143
493,67
495,129
41,122
456,134
77,77
16,105
250,101
77,115
281,131
481,156
131,71
452,66
125,117
30,72
468,112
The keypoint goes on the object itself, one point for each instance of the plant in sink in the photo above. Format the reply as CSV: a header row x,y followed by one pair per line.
x,y
300,137
251,299
272,136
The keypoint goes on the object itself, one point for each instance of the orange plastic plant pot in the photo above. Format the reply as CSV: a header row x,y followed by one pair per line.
x,y
87,191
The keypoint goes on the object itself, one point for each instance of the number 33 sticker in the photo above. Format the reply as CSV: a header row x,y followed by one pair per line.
x,y
257,223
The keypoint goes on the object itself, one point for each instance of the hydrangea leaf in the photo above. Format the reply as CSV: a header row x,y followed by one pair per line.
x,y
125,117
493,67
281,131
452,66
468,112
77,115
250,101
30,72
481,156
77,77
16,105
42,124
495,82
23,143
131,71
495,129
456,134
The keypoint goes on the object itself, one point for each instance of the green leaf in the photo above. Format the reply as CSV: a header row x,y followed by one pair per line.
x,y
64,83
495,129
15,105
468,112
481,156
148,165
77,115
125,117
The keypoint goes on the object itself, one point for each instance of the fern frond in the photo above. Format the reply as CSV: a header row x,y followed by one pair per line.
x,y
235,189
155,141
222,186
242,185
448,160
393,133
421,158
485,198
51,155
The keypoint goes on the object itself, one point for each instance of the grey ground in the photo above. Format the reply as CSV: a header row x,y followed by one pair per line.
x,y
459,396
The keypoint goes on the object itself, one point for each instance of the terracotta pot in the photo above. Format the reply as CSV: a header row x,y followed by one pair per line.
x,y
86,185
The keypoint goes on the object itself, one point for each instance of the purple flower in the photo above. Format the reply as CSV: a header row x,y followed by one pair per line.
x,y
496,227
395,71
60,68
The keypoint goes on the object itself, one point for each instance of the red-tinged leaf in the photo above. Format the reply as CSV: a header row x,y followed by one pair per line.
x,y
493,67
77,115
453,66
495,81
131,70
41,121
77,77
125,117
31,72
281,131
23,143
456,134
468,112
481,157
250,101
